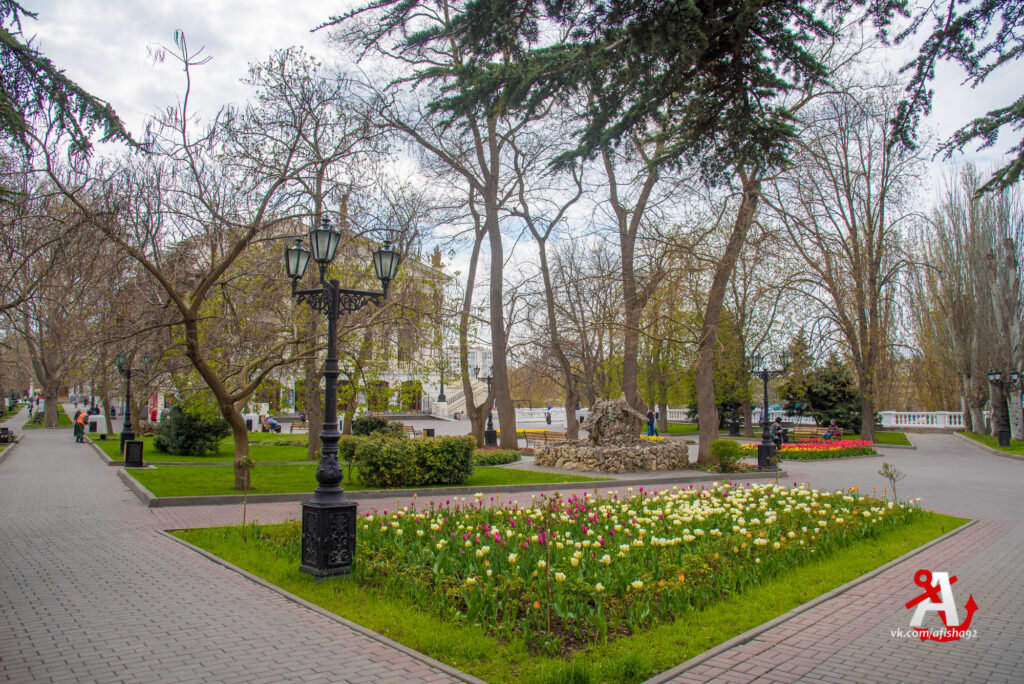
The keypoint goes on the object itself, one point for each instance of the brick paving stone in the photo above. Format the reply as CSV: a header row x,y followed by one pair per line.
x,y
848,638
88,591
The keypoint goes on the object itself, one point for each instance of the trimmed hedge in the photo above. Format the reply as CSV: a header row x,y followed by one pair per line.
x,y
375,425
389,463
493,457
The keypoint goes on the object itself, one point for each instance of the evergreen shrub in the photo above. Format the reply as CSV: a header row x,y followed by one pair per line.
x,y
189,434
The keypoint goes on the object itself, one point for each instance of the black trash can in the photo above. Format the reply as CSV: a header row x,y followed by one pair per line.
x,y
133,453
428,432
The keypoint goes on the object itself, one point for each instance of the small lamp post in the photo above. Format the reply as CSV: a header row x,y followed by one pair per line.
x,y
995,377
127,432
442,366
490,434
764,368
329,519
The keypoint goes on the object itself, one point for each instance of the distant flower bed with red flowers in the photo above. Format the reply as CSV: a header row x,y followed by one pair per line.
x,y
813,449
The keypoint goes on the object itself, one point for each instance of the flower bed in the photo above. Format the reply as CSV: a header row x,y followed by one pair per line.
x,y
564,573
813,449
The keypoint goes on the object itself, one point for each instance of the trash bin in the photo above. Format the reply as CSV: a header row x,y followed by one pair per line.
x,y
133,453
92,426
428,432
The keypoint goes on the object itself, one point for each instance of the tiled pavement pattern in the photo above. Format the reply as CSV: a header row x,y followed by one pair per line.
x,y
849,638
90,592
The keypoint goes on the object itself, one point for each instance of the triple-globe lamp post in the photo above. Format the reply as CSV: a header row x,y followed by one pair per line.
x,y
767,367
329,519
1012,382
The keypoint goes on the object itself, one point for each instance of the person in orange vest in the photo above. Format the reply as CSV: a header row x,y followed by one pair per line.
x,y
83,418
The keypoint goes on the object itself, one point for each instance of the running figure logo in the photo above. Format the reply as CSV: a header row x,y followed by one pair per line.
x,y
938,597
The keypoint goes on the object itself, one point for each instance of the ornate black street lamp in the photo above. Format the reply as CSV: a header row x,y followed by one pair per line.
x,y
764,368
127,432
490,434
329,519
995,377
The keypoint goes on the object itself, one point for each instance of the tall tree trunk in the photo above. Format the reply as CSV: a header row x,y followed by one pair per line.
x,y
50,396
748,425
499,384
977,397
707,412
867,420
477,412
1016,419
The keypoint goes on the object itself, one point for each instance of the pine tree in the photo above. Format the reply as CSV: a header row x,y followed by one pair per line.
x,y
31,87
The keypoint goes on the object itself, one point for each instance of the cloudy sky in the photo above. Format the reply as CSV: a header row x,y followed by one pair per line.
x,y
106,45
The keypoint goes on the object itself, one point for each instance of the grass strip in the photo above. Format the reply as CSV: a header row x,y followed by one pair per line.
x,y
63,421
225,454
628,659
1016,446
214,480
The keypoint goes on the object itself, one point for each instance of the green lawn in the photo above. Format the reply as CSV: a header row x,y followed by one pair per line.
x,y
890,438
1016,446
682,429
225,453
63,420
220,480
626,659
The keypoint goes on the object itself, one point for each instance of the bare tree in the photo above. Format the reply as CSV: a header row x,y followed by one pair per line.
x,y
846,204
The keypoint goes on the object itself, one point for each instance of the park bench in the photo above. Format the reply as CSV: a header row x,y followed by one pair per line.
x,y
804,431
265,427
37,419
6,436
300,424
410,431
543,438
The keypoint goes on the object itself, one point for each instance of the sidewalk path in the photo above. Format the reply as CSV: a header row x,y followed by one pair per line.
x,y
89,591
849,638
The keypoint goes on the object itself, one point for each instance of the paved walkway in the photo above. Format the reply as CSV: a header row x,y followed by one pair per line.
x,y
89,591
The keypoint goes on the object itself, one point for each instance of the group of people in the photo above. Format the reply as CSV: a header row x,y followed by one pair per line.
x,y
778,433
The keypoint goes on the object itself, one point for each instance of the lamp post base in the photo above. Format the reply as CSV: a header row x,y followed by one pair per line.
x,y
491,437
328,538
765,455
1004,438
734,428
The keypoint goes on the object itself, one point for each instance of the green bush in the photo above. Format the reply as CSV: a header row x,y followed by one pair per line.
x,y
493,457
385,462
189,434
728,454
443,460
347,446
375,425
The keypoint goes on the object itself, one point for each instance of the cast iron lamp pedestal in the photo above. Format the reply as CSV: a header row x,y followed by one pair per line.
x,y
329,519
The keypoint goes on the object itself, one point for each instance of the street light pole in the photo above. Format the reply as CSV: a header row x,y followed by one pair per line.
x,y
761,366
490,434
329,519
127,431
995,377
